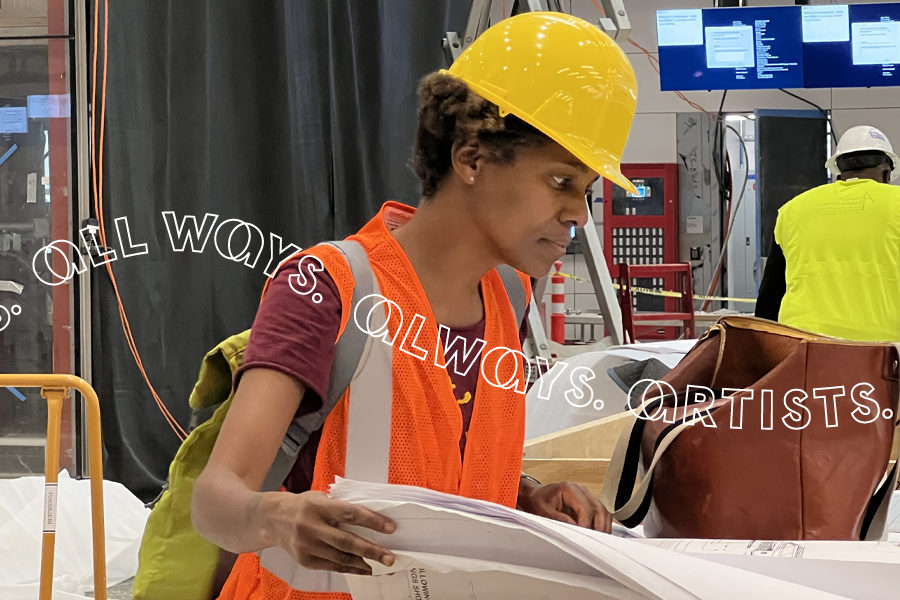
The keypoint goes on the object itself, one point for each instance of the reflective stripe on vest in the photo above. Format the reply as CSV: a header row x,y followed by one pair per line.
x,y
369,421
368,447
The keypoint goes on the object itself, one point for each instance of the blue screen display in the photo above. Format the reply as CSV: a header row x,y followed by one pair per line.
x,y
730,48
851,46
641,192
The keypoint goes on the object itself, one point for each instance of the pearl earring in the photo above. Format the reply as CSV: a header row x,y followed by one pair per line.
x,y
472,179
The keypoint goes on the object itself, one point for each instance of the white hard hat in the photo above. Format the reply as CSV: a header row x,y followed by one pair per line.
x,y
859,139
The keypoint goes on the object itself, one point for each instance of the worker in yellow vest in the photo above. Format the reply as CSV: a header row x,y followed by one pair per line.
x,y
509,142
835,265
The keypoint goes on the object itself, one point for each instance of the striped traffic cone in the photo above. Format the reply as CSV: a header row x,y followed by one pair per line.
x,y
558,310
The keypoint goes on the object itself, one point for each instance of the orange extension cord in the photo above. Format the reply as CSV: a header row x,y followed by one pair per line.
x,y
97,174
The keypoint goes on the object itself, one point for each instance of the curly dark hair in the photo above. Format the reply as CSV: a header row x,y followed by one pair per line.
x,y
450,112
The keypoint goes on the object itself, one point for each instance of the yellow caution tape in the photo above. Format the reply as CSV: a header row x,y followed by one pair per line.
x,y
666,294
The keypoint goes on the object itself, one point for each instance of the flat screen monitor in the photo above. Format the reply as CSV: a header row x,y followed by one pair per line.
x,y
730,48
851,46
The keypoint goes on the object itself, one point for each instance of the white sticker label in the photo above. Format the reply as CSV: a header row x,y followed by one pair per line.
x,y
695,224
31,193
50,508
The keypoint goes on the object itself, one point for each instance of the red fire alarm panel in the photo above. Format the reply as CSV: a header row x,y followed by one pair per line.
x,y
642,229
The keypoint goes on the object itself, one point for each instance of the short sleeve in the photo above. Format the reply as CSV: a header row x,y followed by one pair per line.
x,y
293,334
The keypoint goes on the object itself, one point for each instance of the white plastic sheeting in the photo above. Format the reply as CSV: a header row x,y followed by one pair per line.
x,y
21,519
554,412
548,410
669,352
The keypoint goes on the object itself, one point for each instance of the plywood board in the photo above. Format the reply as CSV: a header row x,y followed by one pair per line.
x,y
589,472
596,439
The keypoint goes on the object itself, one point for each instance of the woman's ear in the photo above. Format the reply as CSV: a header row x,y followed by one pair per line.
x,y
467,161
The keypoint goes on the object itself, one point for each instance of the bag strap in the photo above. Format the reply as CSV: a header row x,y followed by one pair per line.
x,y
627,505
199,416
875,519
624,503
347,354
515,289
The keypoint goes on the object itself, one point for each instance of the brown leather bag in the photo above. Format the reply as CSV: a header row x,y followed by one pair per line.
x,y
764,480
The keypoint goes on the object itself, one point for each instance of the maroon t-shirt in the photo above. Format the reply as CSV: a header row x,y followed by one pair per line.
x,y
296,336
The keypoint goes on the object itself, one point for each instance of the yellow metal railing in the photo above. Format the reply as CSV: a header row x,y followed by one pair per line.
x,y
55,388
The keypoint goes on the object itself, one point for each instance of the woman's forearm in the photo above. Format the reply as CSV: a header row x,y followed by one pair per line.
x,y
226,507
225,511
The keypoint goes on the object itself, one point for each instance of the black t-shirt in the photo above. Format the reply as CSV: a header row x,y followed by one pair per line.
x,y
773,285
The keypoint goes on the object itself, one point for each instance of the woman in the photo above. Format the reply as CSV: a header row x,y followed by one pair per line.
x,y
508,143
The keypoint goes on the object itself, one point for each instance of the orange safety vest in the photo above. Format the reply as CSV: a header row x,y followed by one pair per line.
x,y
417,443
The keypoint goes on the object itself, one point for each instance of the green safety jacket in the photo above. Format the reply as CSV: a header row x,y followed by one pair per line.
x,y
841,243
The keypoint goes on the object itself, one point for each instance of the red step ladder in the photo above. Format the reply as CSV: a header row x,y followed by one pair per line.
x,y
679,276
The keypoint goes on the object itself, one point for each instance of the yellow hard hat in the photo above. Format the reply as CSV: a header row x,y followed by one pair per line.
x,y
561,75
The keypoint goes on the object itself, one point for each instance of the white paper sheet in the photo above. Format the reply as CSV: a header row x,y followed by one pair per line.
x,y
462,536
663,347
669,352
417,576
859,570
21,518
670,360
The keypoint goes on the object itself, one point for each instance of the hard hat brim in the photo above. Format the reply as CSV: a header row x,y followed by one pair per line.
x,y
599,160
831,164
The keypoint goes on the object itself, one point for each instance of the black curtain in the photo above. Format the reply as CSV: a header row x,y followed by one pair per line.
x,y
296,116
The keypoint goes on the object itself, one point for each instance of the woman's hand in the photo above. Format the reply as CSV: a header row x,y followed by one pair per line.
x,y
307,526
567,502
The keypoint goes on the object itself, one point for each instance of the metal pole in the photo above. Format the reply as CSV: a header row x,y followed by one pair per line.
x,y
55,387
55,399
83,282
554,6
60,204
523,6
479,17
601,280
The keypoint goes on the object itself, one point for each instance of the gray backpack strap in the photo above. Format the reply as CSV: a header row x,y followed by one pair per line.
x,y
202,415
347,354
515,290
